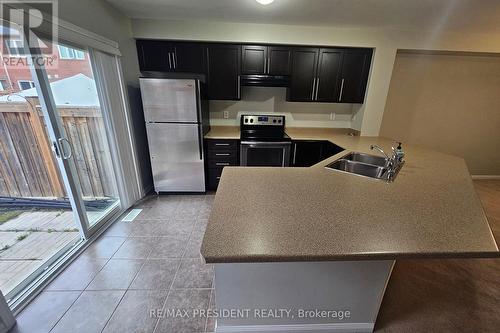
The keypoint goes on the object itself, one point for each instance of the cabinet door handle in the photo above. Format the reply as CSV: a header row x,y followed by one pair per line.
x,y
317,89
313,88
174,57
294,153
239,86
226,154
217,178
265,66
222,144
341,90
221,164
269,65
169,60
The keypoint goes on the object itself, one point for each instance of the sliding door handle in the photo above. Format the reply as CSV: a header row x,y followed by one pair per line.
x,y
64,155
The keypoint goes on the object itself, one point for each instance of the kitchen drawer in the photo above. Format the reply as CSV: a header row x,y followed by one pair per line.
x,y
222,162
222,154
222,144
214,178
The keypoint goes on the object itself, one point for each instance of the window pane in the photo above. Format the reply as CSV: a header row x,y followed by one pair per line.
x,y
80,55
75,94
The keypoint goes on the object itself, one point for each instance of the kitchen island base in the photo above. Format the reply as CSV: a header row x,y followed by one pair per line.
x,y
340,296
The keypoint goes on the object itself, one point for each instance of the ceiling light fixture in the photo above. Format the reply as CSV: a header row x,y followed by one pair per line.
x,y
265,2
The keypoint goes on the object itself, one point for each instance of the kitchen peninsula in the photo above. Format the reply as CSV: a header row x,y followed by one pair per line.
x,y
315,238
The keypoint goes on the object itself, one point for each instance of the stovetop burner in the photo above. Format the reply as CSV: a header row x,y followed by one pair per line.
x,y
263,128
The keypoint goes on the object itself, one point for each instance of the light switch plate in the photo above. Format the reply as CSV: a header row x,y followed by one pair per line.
x,y
226,114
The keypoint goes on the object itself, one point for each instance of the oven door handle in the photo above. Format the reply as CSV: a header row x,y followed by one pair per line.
x,y
265,143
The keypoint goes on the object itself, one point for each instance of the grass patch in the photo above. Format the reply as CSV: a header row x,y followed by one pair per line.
x,y
21,237
8,215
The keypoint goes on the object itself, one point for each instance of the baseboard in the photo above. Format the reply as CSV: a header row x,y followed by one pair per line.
x,y
302,328
485,177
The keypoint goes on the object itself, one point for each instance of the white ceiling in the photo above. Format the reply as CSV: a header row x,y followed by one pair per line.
x,y
481,16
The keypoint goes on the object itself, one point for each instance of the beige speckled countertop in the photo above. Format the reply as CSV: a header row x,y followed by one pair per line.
x,y
313,214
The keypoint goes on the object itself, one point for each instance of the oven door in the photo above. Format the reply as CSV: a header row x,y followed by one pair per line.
x,y
262,153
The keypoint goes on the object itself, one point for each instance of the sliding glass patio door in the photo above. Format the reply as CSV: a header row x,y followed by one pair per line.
x,y
58,177
40,214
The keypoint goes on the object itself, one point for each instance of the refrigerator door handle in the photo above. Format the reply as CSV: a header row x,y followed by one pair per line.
x,y
200,140
198,101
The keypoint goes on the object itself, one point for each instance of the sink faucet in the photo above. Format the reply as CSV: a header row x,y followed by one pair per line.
x,y
372,147
394,162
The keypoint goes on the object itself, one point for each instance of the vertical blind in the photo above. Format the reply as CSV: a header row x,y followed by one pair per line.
x,y
112,95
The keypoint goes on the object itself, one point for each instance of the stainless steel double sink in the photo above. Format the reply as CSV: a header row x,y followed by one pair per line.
x,y
363,165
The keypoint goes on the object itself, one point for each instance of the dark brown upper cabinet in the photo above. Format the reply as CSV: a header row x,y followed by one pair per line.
x,y
315,75
154,55
190,58
254,59
278,60
265,60
328,75
303,74
224,68
171,56
354,78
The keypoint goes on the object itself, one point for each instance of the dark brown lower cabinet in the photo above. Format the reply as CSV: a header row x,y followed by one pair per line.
x,y
219,153
306,153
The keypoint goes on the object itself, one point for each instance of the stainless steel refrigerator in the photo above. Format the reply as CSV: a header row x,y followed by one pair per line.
x,y
176,115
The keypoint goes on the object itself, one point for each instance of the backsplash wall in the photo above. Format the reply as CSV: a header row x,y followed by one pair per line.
x,y
273,100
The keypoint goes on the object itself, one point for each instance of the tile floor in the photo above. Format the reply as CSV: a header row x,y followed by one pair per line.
x,y
151,263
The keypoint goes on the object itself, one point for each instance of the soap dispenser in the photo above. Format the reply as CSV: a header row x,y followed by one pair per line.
x,y
399,153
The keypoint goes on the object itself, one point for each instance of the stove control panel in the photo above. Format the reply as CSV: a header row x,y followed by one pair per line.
x,y
263,120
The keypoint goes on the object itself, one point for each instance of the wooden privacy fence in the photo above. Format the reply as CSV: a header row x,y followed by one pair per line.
x,y
28,167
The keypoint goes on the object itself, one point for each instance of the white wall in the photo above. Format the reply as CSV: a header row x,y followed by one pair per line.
x,y
273,100
368,117
449,103
101,18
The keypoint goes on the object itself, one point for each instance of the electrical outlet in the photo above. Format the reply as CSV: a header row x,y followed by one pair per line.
x,y
332,116
226,114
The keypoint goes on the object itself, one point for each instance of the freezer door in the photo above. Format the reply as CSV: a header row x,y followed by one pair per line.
x,y
170,100
176,157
